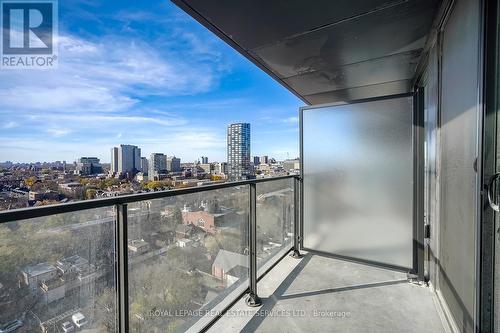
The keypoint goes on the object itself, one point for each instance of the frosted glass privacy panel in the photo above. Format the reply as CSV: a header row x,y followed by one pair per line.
x,y
358,180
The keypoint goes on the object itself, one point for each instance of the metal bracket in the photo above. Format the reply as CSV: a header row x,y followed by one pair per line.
x,y
253,300
427,231
296,254
413,278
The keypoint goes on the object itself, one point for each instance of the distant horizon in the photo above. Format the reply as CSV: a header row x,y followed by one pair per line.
x,y
183,161
148,74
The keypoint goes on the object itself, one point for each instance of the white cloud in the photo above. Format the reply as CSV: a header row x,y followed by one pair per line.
x,y
10,124
291,120
186,142
109,75
57,132
96,121
67,98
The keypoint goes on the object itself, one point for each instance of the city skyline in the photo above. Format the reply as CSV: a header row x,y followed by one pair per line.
x,y
142,154
148,76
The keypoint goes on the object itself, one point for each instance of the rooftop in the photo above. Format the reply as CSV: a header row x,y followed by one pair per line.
x,y
228,260
41,268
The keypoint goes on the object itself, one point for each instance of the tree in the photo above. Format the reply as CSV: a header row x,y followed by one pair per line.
x,y
30,181
84,181
227,241
105,309
177,215
162,286
155,184
213,206
49,202
212,245
90,193
111,182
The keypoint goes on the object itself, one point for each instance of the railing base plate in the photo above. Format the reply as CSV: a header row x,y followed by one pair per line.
x,y
253,300
296,254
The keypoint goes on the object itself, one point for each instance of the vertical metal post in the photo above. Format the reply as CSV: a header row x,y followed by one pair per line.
x,y
487,167
296,219
253,299
122,267
418,187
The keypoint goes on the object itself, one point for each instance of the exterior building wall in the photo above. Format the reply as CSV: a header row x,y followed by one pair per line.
x,y
218,272
157,164
144,165
33,281
114,160
129,158
88,166
173,164
55,294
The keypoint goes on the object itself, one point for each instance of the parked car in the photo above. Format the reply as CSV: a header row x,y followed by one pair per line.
x,y
67,326
79,319
11,326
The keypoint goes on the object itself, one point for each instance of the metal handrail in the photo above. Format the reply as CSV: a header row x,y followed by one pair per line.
x,y
34,212
121,237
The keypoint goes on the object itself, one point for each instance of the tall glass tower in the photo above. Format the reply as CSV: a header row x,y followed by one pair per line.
x,y
238,151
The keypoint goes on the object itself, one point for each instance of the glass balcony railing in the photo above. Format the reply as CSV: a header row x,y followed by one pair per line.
x,y
169,261
186,255
58,266
275,221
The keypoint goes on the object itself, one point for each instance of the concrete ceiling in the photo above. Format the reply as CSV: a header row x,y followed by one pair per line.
x,y
325,51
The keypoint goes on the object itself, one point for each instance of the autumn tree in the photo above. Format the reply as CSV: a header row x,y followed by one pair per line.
x,y
90,193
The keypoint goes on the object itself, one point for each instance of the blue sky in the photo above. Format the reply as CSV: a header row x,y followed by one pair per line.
x,y
143,73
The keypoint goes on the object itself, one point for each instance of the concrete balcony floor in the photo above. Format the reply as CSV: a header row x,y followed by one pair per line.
x,y
322,294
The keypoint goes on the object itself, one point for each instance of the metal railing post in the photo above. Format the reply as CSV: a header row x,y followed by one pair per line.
x,y
296,219
122,267
253,299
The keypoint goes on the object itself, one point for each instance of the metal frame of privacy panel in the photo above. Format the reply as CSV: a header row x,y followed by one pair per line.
x,y
358,178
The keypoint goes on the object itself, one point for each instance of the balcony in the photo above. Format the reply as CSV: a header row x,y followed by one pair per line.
x,y
392,225
215,258
319,293
160,261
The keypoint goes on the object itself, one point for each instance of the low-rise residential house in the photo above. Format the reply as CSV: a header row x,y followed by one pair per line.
x,y
69,275
138,246
74,265
207,168
210,222
46,195
162,239
73,189
53,289
141,176
229,266
291,165
189,231
263,168
34,275
202,219
184,242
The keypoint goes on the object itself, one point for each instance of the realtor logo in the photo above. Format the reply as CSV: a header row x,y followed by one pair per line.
x,y
28,34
